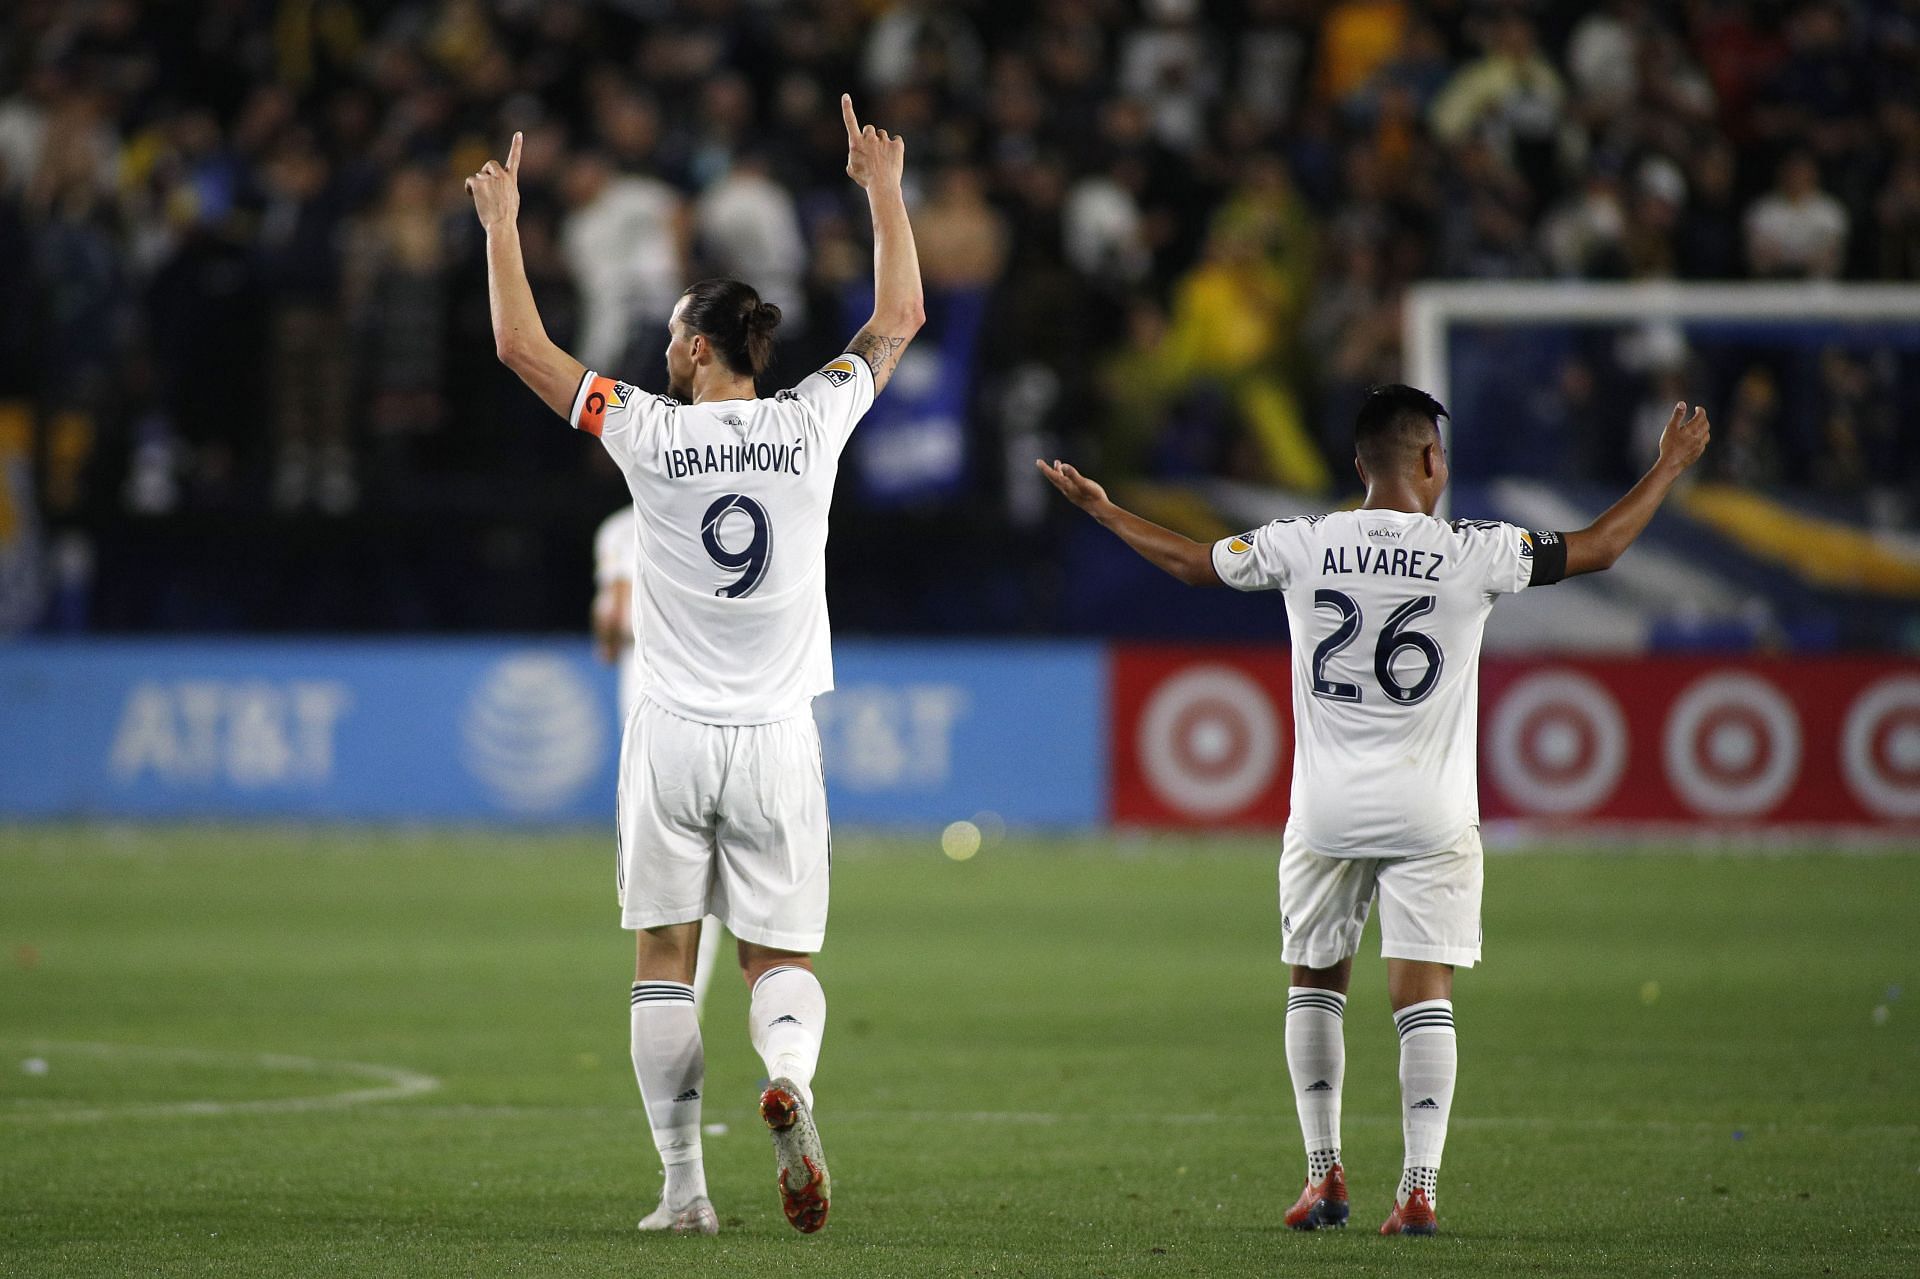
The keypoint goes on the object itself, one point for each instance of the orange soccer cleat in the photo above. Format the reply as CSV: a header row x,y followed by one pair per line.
x,y
1323,1204
804,1184
1414,1217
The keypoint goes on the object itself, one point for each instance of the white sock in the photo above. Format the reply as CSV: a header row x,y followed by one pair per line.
x,y
670,1065
703,962
1429,1061
1317,1060
787,1019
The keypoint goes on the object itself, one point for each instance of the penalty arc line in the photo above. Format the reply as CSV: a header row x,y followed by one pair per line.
x,y
392,1083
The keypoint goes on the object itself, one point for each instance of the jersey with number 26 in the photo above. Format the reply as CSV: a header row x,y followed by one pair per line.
x,y
1386,611
730,597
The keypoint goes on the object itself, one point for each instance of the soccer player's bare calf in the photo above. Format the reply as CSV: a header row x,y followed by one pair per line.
x,y
1372,823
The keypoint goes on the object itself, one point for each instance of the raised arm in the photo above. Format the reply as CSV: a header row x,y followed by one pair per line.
x,y
1186,559
875,160
519,339
1601,543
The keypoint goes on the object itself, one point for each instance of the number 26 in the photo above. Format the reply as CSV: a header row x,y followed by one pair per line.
x,y
1393,638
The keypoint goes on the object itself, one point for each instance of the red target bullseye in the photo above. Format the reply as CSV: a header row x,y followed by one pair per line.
x,y
1209,741
1880,747
1732,745
1558,742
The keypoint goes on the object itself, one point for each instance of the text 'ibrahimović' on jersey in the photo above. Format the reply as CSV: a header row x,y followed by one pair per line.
x,y
730,597
1386,611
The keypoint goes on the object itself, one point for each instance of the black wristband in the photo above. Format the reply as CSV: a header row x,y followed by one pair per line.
x,y
1549,557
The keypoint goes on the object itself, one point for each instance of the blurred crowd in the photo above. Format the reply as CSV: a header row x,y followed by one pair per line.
x,y
239,269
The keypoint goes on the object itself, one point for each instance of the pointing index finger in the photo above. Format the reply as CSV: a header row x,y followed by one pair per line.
x,y
513,155
846,114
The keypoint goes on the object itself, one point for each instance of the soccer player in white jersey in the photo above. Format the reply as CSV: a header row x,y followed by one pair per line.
x,y
1385,606
616,548
722,806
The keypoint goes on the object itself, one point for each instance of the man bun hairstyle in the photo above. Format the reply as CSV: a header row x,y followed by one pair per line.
x,y
731,315
1394,423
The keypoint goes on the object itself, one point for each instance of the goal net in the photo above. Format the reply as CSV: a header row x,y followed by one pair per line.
x,y
1801,528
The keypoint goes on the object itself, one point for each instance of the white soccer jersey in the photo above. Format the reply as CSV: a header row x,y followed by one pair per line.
x,y
732,498
1386,610
615,548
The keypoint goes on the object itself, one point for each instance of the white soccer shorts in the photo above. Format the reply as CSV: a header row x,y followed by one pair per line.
x,y
724,820
1429,905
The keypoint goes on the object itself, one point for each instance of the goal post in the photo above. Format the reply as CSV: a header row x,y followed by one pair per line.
x,y
1435,311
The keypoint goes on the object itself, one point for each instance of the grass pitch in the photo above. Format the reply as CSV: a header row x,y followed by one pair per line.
x,y
261,1052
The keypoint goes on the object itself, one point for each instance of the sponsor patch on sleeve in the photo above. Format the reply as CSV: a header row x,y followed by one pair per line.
x,y
839,372
1548,551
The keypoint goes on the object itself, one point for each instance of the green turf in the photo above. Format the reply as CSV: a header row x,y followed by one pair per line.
x,y
1051,1060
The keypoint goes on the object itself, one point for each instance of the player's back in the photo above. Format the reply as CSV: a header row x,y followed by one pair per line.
x,y
733,498
1386,609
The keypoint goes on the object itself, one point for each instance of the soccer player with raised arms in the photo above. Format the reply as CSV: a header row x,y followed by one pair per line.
x,y
722,804
1386,605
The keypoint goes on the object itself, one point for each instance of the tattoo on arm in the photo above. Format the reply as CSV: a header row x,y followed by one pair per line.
x,y
880,353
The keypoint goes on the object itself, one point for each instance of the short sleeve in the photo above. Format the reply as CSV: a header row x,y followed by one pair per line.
x,y
617,412
1266,559
1510,558
839,392
613,549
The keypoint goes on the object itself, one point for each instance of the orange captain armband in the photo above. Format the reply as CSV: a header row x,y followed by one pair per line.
x,y
600,395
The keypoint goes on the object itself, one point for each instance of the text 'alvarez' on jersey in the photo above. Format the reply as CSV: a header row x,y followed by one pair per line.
x,y
732,496
1386,611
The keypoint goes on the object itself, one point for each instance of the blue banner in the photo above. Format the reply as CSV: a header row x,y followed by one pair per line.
x,y
503,730
911,447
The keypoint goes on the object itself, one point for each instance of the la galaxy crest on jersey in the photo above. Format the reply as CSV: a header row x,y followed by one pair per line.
x,y
839,372
1242,544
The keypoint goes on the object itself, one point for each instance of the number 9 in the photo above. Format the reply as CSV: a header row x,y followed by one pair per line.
x,y
750,561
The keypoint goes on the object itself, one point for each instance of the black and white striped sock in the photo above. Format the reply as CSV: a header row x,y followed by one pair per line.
x,y
669,1063
1429,1062
1317,1061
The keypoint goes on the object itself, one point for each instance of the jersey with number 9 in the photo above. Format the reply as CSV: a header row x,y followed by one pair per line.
x,y
730,595
1386,610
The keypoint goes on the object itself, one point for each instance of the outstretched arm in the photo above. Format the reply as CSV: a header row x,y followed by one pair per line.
x,y
519,339
875,161
1601,543
1186,559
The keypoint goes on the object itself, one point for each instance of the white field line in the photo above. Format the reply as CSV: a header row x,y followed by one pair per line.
x,y
391,1083
394,1084
1035,1118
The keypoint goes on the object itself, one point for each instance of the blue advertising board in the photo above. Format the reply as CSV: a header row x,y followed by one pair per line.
x,y
512,730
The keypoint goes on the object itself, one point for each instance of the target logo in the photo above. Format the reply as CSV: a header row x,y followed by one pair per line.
x,y
1558,743
1880,747
1732,745
1209,741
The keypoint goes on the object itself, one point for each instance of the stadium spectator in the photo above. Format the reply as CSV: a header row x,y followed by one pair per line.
x,y
746,227
960,234
625,241
300,249
1511,98
1797,231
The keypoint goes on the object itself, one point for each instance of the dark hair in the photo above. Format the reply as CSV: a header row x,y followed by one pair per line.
x,y
731,315
1394,424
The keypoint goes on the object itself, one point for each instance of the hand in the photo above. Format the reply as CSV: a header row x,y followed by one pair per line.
x,y
1685,438
1079,490
874,159
496,191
